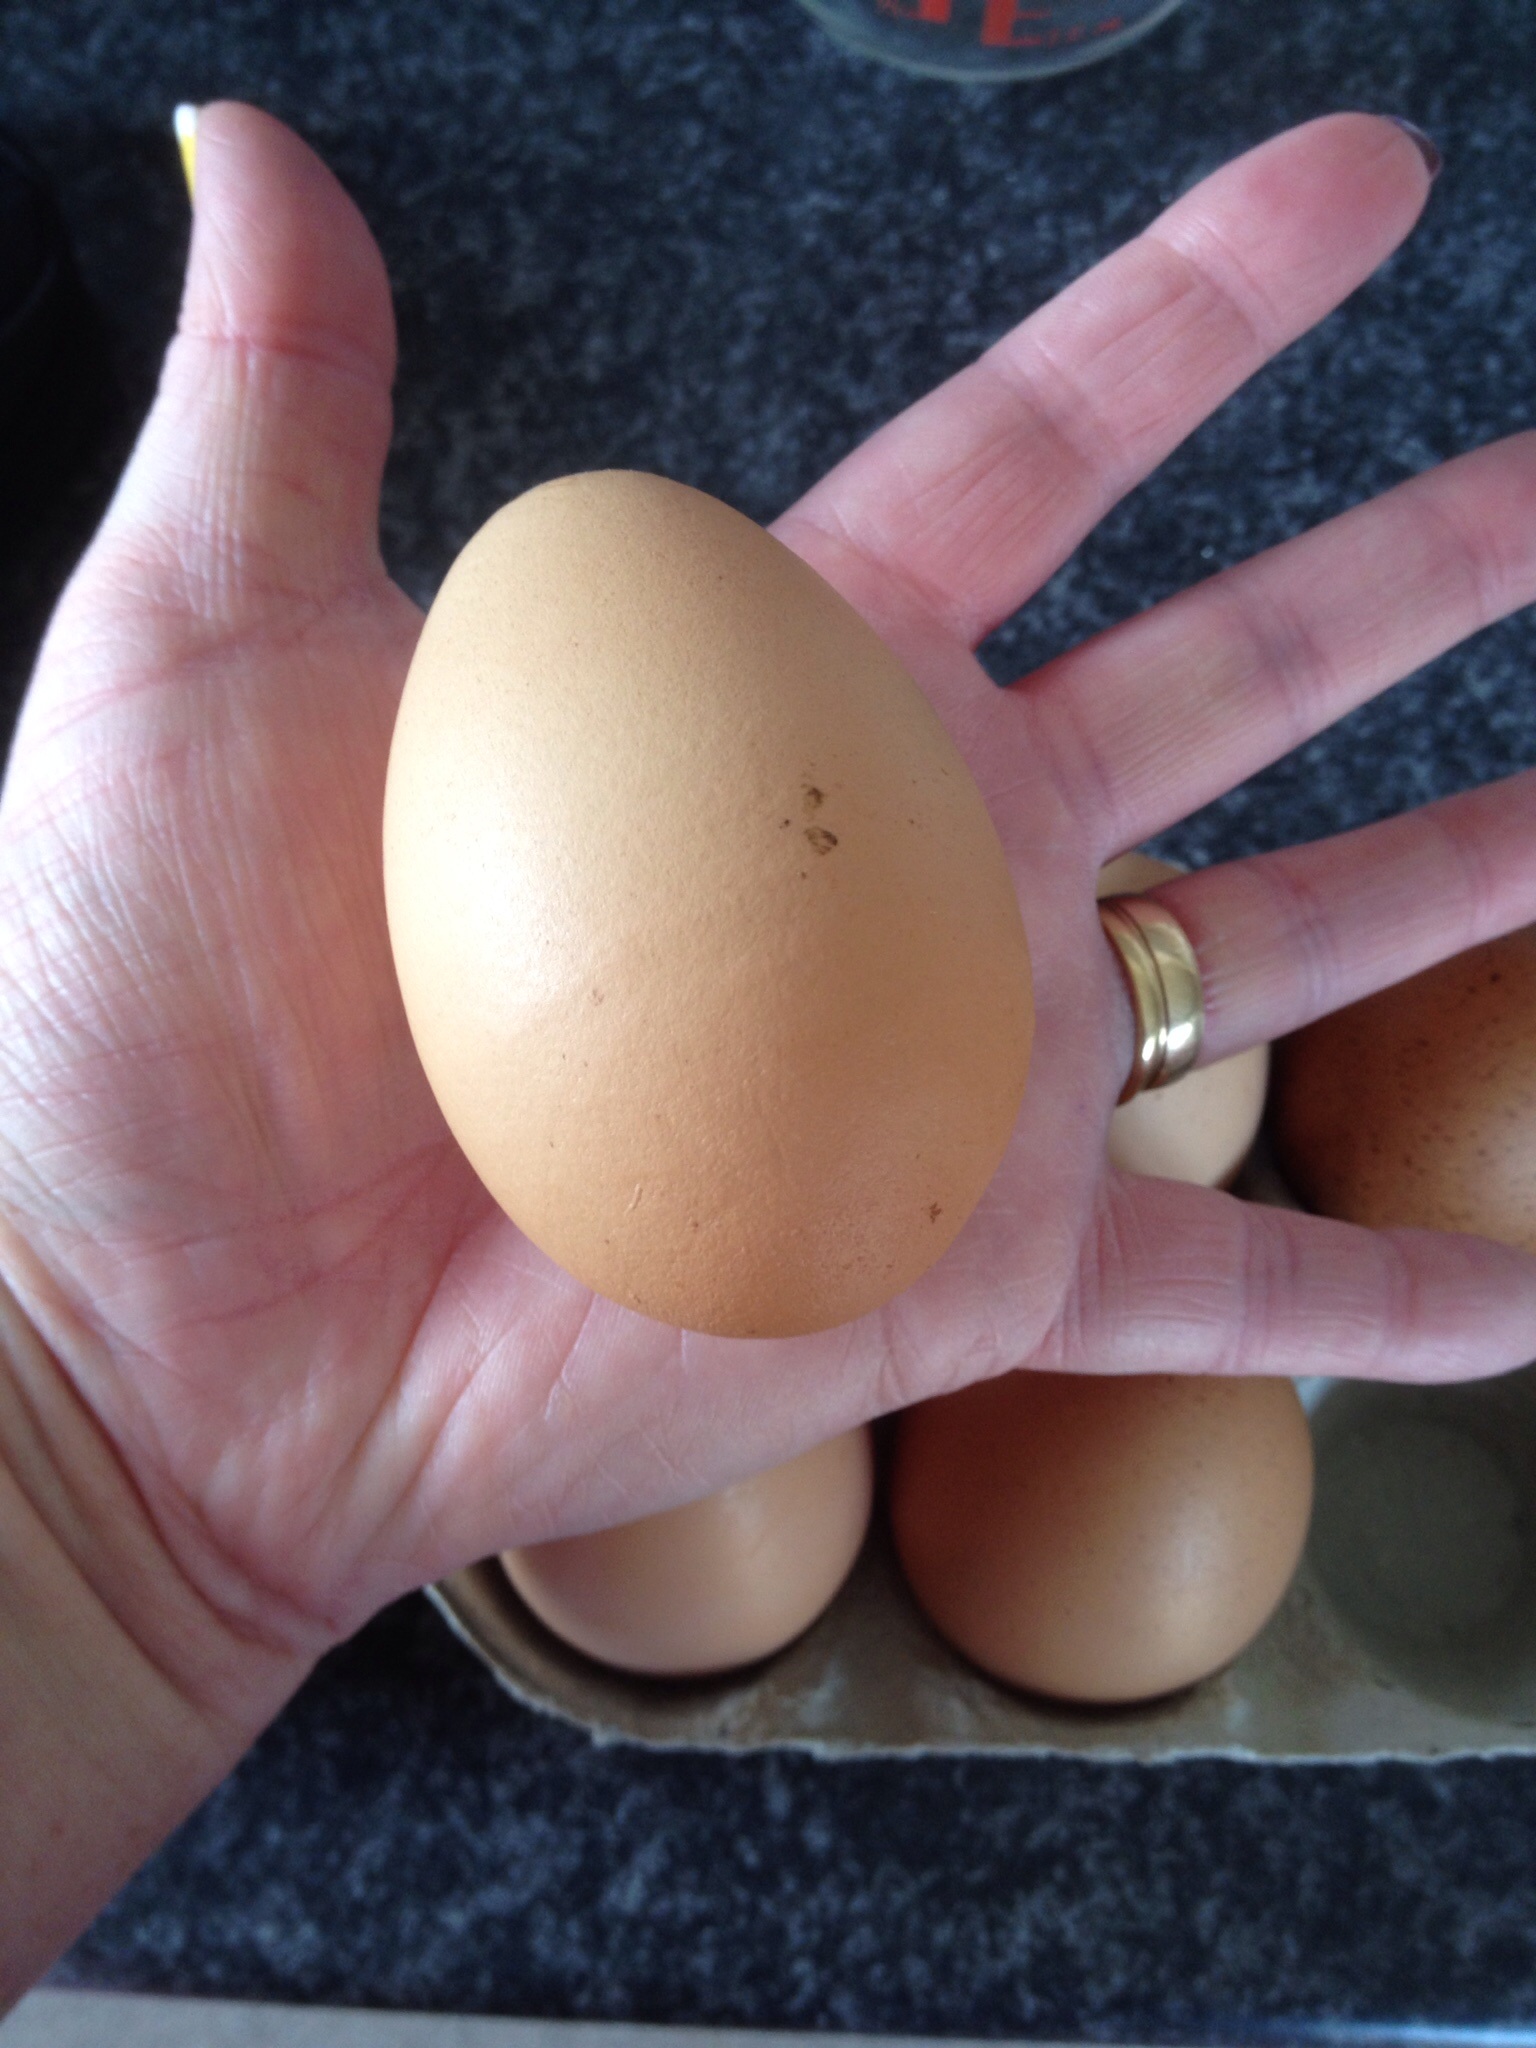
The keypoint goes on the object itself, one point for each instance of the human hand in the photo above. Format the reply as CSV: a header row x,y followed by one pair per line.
x,y
327,1366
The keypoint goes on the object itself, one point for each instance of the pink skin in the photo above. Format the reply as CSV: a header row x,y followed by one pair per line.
x,y
330,1368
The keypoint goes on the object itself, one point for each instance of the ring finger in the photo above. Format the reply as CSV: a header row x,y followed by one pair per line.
x,y
1287,937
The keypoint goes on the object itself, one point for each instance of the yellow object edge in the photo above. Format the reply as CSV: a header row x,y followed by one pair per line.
x,y
184,121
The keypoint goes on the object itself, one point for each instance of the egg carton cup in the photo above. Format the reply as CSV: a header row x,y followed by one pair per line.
x,y
1409,1630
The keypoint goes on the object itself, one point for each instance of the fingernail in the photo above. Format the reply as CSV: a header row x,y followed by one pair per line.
x,y
184,121
1426,145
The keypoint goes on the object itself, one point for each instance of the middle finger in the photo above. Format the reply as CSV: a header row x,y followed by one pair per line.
x,y
1161,714
960,508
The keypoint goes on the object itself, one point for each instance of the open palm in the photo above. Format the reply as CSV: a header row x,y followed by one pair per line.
x,y
329,1366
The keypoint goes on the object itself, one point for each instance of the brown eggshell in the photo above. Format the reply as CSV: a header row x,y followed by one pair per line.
x,y
1103,1539
1417,1106
720,1582
1201,1127
706,939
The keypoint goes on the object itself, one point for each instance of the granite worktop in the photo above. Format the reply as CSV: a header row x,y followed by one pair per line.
x,y
693,236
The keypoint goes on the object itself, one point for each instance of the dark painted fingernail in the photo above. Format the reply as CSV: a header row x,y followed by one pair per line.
x,y
1426,145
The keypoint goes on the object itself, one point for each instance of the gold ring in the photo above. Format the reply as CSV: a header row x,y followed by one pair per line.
x,y
1163,976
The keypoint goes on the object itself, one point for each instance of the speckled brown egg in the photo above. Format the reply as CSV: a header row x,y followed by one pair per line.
x,y
718,1583
1201,1127
1418,1105
705,936
1103,1539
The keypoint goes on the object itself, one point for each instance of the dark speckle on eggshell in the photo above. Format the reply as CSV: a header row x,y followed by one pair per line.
x,y
1417,1105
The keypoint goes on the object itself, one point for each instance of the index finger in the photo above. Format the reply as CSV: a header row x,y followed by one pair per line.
x,y
960,508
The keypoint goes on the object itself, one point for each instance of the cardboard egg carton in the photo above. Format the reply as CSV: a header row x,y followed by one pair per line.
x,y
1409,1630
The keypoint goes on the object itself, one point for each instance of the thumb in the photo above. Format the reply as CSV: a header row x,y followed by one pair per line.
x,y
256,477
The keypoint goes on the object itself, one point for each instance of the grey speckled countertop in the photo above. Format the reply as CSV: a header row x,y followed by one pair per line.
x,y
690,235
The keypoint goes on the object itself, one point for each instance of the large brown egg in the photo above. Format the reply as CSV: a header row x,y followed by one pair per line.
x,y
720,1582
706,939
1103,1539
1418,1105
1201,1127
